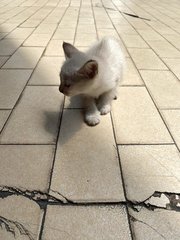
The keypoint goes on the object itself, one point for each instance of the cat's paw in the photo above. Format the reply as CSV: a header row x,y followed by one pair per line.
x,y
92,119
105,109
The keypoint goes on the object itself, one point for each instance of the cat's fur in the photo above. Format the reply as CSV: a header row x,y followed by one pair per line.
x,y
95,74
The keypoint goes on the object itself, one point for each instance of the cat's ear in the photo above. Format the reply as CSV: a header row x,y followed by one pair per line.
x,y
69,50
89,69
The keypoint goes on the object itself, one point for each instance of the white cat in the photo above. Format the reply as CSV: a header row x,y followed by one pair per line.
x,y
95,74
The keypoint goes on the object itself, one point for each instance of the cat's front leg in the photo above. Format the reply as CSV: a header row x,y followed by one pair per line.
x,y
104,101
92,115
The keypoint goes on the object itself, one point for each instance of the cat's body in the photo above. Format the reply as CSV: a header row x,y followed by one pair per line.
x,y
95,74
109,57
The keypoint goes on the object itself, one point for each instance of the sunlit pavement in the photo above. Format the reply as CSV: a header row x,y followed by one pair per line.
x,y
61,179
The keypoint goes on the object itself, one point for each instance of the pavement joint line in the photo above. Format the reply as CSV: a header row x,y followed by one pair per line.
x,y
169,109
144,144
128,214
92,8
60,122
27,144
16,68
154,70
128,85
59,128
122,176
120,166
43,85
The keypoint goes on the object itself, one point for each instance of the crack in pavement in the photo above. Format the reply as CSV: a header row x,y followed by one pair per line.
x,y
133,219
12,226
173,204
43,199
65,200
117,10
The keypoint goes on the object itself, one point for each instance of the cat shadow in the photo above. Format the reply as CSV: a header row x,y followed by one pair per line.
x,y
51,122
69,121
75,102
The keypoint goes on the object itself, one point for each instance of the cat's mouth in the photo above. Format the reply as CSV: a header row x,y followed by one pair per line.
x,y
64,91
68,94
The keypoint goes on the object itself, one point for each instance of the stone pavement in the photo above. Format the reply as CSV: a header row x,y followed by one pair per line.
x,y
63,180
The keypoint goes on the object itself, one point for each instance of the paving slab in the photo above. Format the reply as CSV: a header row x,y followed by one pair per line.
x,y
136,119
2,35
50,67
161,27
54,47
9,46
74,102
3,117
130,74
38,40
102,18
3,60
150,168
134,41
146,59
20,33
86,164
174,65
78,222
150,35
164,88
35,119
164,49
34,163
85,39
64,33
12,83
22,218
90,28
70,18
31,23
156,225
7,27
172,118
46,28
24,57
102,32
124,29
173,39
86,20
137,23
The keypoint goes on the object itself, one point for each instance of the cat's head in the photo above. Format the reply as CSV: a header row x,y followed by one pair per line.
x,y
78,71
